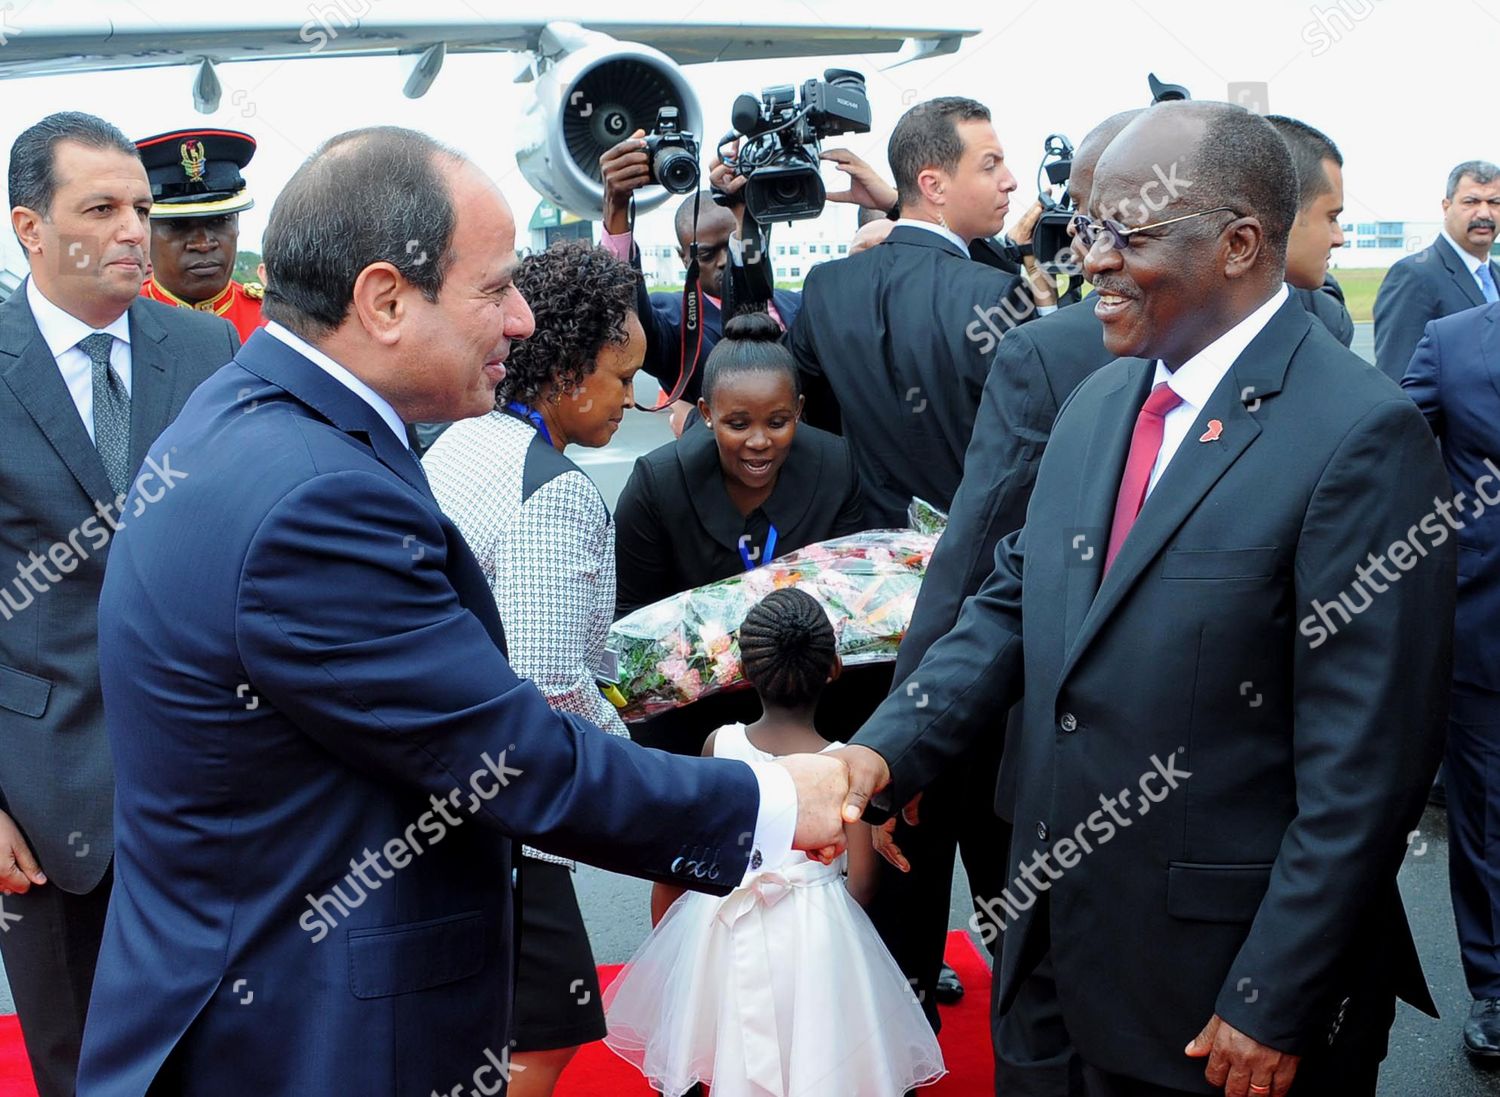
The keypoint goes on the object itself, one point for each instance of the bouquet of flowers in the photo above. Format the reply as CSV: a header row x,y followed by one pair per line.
x,y
686,647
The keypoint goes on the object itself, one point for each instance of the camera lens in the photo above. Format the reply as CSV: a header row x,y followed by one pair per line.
x,y
676,169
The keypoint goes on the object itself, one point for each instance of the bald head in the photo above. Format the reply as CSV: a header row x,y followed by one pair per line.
x,y
711,218
715,226
1086,155
1212,189
1223,155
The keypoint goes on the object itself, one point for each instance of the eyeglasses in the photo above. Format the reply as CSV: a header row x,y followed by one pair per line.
x,y
1088,230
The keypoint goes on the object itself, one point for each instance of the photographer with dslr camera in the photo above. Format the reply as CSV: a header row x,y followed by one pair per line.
x,y
626,168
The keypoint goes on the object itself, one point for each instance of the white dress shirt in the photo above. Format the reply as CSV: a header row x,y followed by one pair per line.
x,y
1195,380
1469,260
776,815
62,332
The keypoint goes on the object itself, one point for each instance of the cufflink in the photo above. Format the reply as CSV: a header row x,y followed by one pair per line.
x,y
756,860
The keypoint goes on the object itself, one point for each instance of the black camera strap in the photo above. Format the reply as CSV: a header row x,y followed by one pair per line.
x,y
692,318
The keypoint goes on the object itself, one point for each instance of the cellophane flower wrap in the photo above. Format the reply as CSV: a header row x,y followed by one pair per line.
x,y
685,647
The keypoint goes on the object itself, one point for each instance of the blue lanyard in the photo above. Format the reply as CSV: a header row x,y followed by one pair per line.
x,y
533,416
751,563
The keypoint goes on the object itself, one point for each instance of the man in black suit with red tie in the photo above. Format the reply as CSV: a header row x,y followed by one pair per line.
x,y
1238,602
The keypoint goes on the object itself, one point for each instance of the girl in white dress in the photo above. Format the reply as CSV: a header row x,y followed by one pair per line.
x,y
783,986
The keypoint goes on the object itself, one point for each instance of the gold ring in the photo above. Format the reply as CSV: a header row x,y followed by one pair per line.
x,y
1259,1089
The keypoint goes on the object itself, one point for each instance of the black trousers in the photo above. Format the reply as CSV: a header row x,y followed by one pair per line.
x,y
1472,776
50,954
910,909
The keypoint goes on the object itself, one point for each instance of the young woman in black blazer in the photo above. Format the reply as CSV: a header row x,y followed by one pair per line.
x,y
746,485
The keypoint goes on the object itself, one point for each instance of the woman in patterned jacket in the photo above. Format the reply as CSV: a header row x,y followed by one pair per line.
x,y
545,540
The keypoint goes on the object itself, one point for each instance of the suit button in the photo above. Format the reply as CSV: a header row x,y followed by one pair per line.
x,y
700,872
1041,832
713,873
1069,723
676,865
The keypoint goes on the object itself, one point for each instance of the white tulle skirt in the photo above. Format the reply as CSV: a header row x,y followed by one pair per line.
x,y
781,988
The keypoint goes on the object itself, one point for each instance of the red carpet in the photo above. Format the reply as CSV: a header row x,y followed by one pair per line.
x,y
598,1072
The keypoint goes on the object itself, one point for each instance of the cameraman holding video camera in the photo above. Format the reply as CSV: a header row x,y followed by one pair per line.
x,y
626,168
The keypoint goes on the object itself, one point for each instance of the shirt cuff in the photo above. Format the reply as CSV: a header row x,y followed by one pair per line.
x,y
775,818
617,245
1045,310
736,249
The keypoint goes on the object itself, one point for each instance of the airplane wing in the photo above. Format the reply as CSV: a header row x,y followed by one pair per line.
x,y
51,37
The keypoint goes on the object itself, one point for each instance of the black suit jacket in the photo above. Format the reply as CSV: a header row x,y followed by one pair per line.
x,y
675,527
894,345
1420,288
1300,758
56,778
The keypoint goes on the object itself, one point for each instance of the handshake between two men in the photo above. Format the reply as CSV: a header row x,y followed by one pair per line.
x,y
833,789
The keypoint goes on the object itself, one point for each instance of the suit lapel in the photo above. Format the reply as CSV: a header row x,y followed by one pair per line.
x,y
1460,273
272,360
29,370
1257,375
1103,466
151,382
1489,344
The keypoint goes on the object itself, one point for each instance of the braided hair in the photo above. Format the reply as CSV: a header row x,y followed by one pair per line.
x,y
787,647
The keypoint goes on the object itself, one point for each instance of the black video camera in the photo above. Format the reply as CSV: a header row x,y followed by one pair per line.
x,y
672,155
1051,242
782,142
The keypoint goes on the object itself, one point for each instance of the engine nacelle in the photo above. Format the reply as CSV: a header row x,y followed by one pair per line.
x,y
589,100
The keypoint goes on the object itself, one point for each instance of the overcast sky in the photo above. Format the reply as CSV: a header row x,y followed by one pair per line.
x,y
1405,88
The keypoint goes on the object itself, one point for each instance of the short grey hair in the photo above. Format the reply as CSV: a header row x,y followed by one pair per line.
x,y
1481,171
33,157
367,196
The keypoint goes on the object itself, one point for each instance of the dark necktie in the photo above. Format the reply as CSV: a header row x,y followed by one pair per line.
x,y
111,411
1145,446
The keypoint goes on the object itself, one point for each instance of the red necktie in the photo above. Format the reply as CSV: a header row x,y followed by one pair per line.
x,y
1145,446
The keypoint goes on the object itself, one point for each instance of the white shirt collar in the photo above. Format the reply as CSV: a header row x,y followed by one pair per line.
x,y
343,377
1196,379
1469,261
941,230
60,329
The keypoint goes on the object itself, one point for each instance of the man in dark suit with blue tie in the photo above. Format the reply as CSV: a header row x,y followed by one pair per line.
x,y
90,374
1453,274
1455,379
322,754
1229,720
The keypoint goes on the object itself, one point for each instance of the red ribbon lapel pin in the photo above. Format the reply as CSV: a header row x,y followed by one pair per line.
x,y
1215,428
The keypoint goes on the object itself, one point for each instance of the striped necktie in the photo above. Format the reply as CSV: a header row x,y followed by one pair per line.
x,y
111,411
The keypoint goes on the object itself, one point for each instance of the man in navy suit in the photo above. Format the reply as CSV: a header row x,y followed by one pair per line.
x,y
322,755
1455,379
625,169
1453,274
